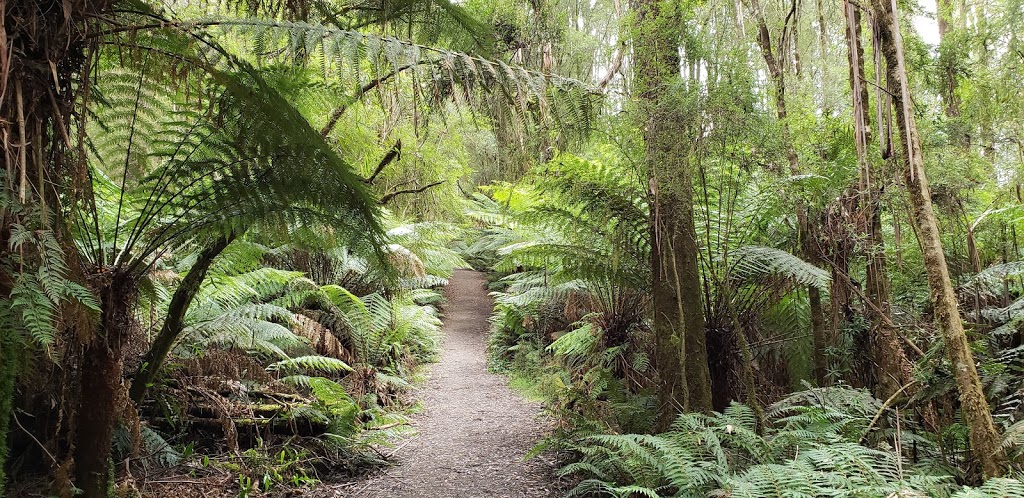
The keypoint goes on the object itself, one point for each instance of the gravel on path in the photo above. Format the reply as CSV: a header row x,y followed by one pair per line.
x,y
474,432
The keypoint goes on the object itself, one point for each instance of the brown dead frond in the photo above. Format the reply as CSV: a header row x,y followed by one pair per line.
x,y
323,340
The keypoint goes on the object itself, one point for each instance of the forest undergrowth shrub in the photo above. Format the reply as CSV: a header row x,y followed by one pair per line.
x,y
816,442
820,442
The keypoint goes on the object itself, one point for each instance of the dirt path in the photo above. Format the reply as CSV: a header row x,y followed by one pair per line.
x,y
474,431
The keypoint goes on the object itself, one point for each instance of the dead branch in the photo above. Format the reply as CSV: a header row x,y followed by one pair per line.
x,y
388,198
395,152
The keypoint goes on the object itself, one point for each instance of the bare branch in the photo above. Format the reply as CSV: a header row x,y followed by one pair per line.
x,y
395,152
388,198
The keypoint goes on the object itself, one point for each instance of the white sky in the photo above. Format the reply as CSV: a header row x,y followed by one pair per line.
x,y
925,24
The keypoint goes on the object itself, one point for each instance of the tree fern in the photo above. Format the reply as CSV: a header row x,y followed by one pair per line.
x,y
515,96
721,454
994,488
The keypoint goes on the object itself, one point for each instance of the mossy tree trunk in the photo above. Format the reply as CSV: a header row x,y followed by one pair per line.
x,y
685,381
985,441
174,321
893,369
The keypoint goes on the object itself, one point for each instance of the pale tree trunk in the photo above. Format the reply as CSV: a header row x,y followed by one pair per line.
x,y
894,370
985,441
685,382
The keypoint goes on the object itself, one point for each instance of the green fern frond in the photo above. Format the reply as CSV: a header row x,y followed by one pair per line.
x,y
994,488
755,262
310,363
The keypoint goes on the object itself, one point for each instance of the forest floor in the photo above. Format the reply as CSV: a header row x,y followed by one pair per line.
x,y
474,431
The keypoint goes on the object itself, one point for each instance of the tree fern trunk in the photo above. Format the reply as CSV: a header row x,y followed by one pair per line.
x,y
44,58
894,368
102,394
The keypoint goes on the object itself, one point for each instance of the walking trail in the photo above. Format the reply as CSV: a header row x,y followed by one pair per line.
x,y
474,431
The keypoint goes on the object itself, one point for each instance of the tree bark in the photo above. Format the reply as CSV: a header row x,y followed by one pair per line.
x,y
678,310
893,369
985,441
174,322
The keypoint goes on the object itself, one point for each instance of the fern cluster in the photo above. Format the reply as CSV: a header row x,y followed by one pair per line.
x,y
571,304
811,446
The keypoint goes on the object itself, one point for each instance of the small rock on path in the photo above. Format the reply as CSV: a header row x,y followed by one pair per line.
x,y
475,431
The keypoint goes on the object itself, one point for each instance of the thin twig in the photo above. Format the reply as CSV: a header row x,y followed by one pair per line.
x,y
883,408
14,416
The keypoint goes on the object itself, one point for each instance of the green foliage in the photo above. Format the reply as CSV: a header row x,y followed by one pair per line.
x,y
248,157
154,450
515,96
314,363
809,448
10,353
37,298
752,264
998,487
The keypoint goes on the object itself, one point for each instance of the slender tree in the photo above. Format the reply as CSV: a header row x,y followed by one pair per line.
x,y
985,441
774,58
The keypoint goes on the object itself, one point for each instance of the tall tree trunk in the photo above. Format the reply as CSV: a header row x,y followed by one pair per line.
x,y
894,370
174,322
985,441
678,311
102,395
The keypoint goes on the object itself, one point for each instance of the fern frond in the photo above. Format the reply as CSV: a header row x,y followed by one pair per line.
x,y
755,262
307,363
